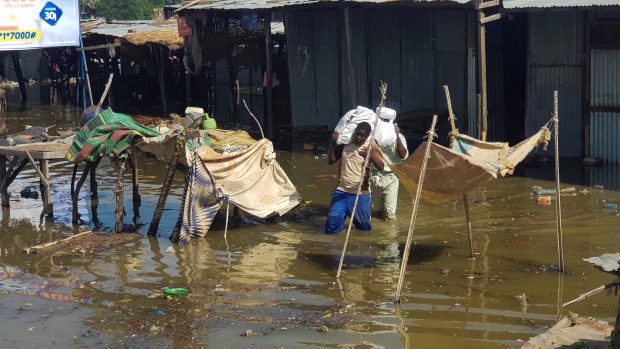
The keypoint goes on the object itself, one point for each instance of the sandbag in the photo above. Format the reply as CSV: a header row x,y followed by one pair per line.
x,y
347,124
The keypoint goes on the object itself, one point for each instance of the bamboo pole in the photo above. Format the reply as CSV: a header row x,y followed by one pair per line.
x,y
383,90
615,283
90,91
558,208
414,213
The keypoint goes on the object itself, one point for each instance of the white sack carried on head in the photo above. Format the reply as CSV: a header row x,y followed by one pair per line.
x,y
347,124
385,134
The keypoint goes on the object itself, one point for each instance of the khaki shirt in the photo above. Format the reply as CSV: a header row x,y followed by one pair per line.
x,y
351,167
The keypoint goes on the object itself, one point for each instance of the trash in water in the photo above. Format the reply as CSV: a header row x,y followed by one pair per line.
x,y
611,206
177,291
536,190
544,200
597,186
170,249
29,193
158,312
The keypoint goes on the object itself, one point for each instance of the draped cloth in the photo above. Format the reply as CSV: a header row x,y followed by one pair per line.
x,y
451,172
200,203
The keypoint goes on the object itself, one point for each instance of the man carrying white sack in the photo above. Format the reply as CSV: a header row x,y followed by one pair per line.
x,y
384,184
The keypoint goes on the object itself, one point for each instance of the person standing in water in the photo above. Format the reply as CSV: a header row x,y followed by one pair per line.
x,y
384,183
352,157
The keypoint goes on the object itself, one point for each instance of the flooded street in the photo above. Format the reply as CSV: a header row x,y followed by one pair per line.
x,y
273,284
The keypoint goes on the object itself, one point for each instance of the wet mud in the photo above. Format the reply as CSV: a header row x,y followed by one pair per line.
x,y
272,284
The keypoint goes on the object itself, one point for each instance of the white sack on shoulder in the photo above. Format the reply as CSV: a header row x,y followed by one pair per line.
x,y
347,124
385,134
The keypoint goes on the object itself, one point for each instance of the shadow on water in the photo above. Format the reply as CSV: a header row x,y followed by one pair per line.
x,y
368,256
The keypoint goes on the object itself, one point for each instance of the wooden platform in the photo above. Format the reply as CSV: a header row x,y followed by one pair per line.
x,y
38,155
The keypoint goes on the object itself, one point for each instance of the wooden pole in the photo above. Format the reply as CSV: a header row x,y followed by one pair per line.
x,y
163,196
20,76
453,130
482,71
46,189
105,92
3,174
414,213
362,175
269,94
349,40
469,233
453,133
159,65
558,208
90,91
76,193
94,195
137,200
255,119
120,198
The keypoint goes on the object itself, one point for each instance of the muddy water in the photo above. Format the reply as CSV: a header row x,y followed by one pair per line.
x,y
276,281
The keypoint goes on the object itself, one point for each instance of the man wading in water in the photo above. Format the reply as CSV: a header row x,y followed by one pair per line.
x,y
352,158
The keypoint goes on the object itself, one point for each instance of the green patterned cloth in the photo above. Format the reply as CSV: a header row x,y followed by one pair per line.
x,y
109,134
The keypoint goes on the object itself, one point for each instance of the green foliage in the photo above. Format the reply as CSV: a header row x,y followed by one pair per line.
x,y
126,9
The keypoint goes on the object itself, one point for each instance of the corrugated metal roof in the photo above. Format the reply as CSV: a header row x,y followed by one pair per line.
x,y
524,4
120,29
269,4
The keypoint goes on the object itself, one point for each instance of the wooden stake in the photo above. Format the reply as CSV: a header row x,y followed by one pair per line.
x,y
371,138
558,208
469,233
46,189
414,213
120,198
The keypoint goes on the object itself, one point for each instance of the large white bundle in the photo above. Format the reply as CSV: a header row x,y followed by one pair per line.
x,y
347,124
385,134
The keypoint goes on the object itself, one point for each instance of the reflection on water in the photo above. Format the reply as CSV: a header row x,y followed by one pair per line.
x,y
277,279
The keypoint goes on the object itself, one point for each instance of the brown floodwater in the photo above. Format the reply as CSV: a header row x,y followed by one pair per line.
x,y
276,280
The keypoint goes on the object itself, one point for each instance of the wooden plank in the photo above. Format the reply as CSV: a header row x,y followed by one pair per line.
x,y
486,4
47,155
491,18
35,249
482,65
97,47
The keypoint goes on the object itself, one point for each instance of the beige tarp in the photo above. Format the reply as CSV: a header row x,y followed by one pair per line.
x,y
452,172
252,177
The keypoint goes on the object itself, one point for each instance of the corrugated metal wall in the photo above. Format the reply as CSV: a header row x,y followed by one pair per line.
x,y
359,58
451,62
301,61
414,51
327,67
417,61
383,43
33,63
555,63
605,92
